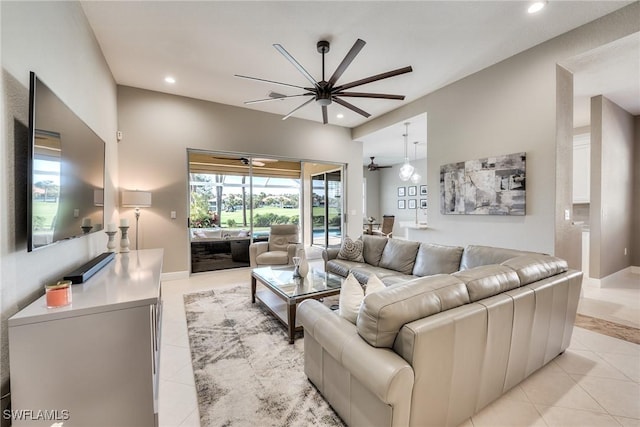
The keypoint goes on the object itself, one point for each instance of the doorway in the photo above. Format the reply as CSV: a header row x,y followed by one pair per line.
x,y
233,201
327,210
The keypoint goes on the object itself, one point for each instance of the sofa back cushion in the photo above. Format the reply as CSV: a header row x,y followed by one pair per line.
x,y
475,256
399,255
383,313
437,259
488,280
531,268
373,247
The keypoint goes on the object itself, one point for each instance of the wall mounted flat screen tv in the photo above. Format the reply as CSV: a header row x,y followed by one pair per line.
x,y
65,172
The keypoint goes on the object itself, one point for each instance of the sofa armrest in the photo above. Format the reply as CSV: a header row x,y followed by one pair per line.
x,y
380,370
328,254
256,249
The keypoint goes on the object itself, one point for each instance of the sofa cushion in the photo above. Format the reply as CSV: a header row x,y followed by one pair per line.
x,y
373,247
399,255
488,280
437,259
531,268
383,313
273,258
394,279
351,250
363,272
343,267
351,295
475,256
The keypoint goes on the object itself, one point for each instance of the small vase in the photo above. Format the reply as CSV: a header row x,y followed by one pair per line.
x,y
303,266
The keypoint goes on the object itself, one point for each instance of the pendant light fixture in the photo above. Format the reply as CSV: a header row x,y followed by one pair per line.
x,y
416,177
406,170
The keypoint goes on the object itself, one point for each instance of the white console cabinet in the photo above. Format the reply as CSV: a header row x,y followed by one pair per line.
x,y
95,362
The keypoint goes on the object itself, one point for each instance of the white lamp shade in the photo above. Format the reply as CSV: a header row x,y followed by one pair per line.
x,y
136,199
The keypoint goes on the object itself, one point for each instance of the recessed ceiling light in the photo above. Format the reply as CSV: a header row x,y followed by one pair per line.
x,y
536,6
339,115
169,80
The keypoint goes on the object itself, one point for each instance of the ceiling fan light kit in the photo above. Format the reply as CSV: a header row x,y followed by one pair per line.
x,y
326,92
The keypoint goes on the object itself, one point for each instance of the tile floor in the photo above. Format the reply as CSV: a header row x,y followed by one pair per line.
x,y
596,382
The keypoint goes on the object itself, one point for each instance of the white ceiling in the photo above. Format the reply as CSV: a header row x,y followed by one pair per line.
x,y
612,70
203,44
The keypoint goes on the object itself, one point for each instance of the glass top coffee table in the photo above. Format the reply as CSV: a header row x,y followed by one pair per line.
x,y
283,292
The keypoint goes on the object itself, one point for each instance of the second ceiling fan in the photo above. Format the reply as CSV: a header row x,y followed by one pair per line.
x,y
374,166
325,92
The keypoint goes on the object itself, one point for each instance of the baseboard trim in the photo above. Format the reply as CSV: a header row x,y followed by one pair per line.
x,y
613,276
174,275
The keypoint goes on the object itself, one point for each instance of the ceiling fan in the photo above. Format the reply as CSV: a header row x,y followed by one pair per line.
x,y
255,161
374,166
325,92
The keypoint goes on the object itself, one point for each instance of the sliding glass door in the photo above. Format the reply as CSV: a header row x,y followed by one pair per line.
x,y
234,200
327,208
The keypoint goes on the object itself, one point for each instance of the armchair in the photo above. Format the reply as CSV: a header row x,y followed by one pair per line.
x,y
278,250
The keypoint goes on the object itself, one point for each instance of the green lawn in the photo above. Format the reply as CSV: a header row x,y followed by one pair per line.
x,y
45,210
237,215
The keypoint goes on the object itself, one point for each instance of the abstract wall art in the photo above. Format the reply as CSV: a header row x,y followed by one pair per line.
x,y
490,186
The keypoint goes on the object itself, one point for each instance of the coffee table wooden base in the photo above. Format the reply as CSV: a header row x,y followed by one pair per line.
x,y
283,308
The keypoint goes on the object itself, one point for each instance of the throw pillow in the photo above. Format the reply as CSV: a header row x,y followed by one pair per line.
x,y
351,250
374,284
352,294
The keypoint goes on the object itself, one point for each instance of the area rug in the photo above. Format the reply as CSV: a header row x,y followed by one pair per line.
x,y
246,372
606,327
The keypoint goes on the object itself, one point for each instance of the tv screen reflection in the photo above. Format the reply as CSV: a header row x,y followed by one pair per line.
x,y
67,171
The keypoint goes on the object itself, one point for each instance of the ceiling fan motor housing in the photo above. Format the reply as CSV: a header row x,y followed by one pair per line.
x,y
323,94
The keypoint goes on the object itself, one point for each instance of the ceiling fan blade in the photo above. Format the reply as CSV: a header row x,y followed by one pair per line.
x,y
355,49
257,101
374,78
325,118
369,95
271,81
296,64
351,106
297,108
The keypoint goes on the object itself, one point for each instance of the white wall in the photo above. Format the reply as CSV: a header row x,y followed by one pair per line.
x,y
612,146
635,250
507,108
158,128
389,183
54,40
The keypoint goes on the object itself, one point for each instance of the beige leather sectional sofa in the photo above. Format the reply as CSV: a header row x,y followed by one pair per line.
x,y
433,349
